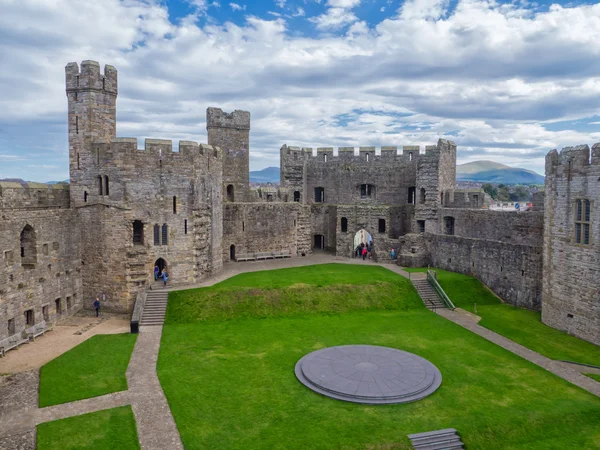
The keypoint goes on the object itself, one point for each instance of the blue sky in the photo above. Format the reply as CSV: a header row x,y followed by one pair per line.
x,y
506,81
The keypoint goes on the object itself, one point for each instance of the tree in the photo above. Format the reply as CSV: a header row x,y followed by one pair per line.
x,y
490,190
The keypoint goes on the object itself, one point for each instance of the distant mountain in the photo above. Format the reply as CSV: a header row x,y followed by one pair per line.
x,y
57,182
266,175
493,172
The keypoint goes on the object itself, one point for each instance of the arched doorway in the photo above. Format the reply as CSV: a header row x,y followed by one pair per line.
x,y
161,263
232,252
362,238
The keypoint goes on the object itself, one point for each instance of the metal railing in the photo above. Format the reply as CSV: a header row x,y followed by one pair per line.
x,y
432,279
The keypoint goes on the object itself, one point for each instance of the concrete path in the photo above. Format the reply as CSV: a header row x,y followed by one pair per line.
x,y
563,370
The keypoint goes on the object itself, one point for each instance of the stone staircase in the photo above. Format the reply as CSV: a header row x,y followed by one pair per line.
x,y
447,439
429,296
155,307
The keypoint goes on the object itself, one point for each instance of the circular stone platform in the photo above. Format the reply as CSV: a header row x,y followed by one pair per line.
x,y
368,374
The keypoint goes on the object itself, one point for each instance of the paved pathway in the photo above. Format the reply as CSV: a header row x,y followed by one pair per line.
x,y
563,370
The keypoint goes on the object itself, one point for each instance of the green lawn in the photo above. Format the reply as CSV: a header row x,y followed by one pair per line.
x,y
230,382
95,367
109,429
520,325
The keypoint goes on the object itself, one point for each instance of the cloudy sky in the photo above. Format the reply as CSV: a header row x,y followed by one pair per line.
x,y
505,81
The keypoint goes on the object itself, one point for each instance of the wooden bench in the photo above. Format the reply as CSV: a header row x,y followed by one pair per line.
x,y
38,330
264,255
282,254
12,342
245,257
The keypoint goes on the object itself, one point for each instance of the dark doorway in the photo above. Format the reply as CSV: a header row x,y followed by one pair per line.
x,y
230,196
319,241
161,263
296,196
232,252
319,195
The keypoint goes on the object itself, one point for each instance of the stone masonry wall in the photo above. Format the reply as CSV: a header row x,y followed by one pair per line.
x,y
53,277
265,227
571,279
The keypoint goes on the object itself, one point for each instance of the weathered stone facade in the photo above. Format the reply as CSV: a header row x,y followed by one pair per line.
x,y
191,210
571,276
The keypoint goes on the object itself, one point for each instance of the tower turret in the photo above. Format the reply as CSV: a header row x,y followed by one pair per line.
x,y
92,98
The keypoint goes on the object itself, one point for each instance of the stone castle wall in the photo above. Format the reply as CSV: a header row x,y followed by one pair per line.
x,y
571,277
48,280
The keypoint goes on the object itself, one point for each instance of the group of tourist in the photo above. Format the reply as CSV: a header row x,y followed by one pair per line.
x,y
364,251
158,274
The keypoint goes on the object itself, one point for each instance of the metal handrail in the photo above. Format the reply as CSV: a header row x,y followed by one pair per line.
x,y
431,277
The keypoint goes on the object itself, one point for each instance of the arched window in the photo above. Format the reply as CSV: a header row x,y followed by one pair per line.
x,y
344,225
100,185
367,191
156,234
174,204
422,196
230,196
138,232
106,192
382,225
28,246
165,234
319,195
296,196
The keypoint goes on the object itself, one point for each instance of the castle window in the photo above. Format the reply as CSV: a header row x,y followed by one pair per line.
x,y
344,225
45,249
297,196
156,234
165,234
100,185
105,184
76,124
382,225
230,196
269,197
319,195
410,156
69,304
76,96
411,195
232,252
367,191
582,222
85,194
174,205
58,306
449,225
29,317
295,156
138,232
367,157
243,226
421,226
28,246
78,161
422,196
185,226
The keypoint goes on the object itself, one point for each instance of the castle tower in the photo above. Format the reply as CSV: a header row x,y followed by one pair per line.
x,y
436,182
570,294
92,99
231,132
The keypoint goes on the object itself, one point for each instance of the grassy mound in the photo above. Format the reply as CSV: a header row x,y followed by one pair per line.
x,y
323,289
95,367
520,325
103,430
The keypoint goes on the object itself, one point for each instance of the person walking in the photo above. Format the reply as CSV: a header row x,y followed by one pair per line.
x,y
364,253
165,276
156,272
393,253
97,306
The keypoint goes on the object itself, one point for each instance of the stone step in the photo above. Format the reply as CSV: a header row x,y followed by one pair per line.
x,y
451,439
446,439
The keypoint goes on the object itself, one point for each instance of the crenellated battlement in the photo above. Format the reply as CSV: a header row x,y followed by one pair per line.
x,y
386,154
161,149
14,195
572,160
90,78
217,118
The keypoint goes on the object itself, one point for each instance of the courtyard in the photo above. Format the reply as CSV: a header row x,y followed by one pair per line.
x,y
226,365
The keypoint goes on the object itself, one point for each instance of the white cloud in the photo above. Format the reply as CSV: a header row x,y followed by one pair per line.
x,y
489,75
236,7
382,9
280,3
299,13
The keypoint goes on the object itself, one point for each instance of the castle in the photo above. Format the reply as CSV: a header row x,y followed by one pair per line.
x,y
127,210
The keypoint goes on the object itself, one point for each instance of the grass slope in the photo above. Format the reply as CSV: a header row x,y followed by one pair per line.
x,y
520,325
231,384
95,367
103,430
327,288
